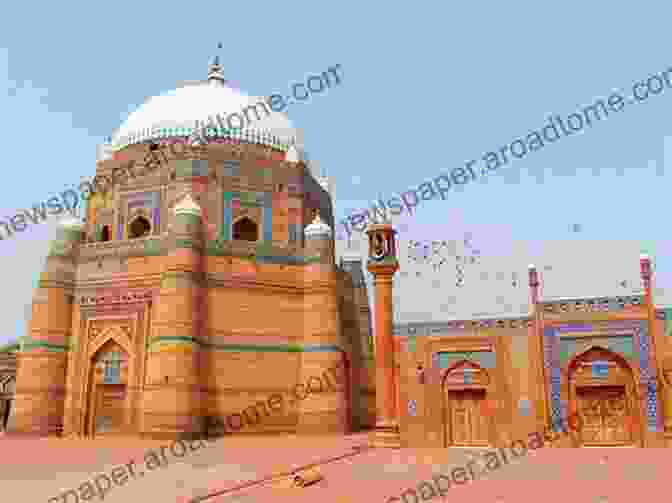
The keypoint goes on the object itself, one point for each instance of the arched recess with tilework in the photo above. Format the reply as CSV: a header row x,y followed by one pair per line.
x,y
110,376
602,389
467,397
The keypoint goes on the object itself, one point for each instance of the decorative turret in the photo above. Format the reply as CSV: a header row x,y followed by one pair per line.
x,y
319,240
104,152
187,206
292,154
68,236
188,220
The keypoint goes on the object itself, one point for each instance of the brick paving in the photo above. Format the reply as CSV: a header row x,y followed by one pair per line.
x,y
34,470
548,475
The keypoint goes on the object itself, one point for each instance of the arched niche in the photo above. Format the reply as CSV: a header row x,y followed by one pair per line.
x,y
109,377
245,229
603,393
468,415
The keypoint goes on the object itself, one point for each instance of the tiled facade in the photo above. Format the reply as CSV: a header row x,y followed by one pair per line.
x,y
488,382
150,334
201,287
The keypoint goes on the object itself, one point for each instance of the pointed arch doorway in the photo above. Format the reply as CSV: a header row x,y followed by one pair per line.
x,y
106,411
466,420
603,393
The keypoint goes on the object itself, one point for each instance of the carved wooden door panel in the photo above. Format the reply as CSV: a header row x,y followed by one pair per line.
x,y
479,421
605,416
616,423
466,425
459,417
589,407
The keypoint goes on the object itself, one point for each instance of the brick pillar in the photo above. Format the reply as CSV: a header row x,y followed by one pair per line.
x,y
171,396
326,407
43,356
383,264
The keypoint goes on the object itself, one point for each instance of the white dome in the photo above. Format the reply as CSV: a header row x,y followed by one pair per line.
x,y
176,113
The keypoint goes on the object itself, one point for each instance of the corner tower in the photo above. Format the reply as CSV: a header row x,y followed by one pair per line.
x,y
171,400
43,359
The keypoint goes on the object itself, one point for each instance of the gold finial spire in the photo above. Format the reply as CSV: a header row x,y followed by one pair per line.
x,y
215,69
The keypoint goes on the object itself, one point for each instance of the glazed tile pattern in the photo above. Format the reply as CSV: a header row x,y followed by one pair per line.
x,y
552,371
648,373
485,359
557,352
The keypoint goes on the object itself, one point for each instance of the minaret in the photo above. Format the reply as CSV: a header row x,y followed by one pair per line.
x,y
383,264
43,358
173,378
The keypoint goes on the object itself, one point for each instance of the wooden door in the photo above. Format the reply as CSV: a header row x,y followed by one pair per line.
x,y
606,418
466,425
110,408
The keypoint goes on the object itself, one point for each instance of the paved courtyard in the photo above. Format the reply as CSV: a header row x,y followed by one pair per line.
x,y
256,470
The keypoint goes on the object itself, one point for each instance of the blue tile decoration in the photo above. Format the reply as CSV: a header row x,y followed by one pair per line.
x,y
485,359
412,408
552,370
267,258
648,374
227,220
267,216
600,369
525,407
468,378
623,345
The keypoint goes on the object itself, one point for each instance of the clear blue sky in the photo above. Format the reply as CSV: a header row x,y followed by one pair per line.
x,y
427,85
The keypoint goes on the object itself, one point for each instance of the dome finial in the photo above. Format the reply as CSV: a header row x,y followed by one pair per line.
x,y
216,70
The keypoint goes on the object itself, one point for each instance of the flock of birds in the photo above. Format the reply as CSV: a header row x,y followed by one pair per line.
x,y
439,254
426,258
